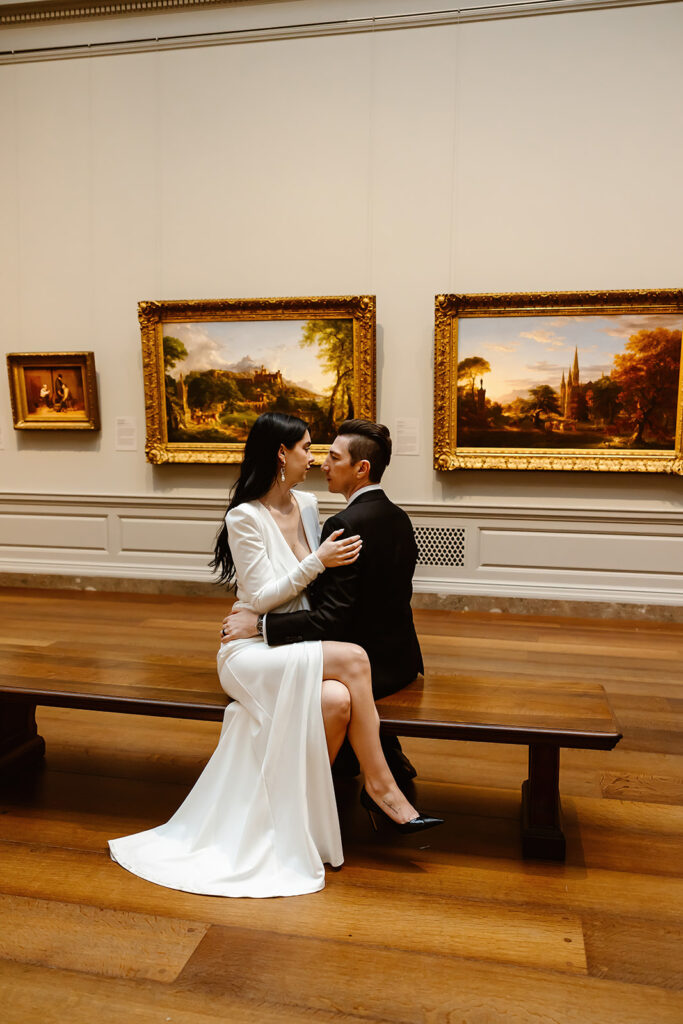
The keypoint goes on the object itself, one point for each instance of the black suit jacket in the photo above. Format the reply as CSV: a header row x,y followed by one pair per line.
x,y
367,603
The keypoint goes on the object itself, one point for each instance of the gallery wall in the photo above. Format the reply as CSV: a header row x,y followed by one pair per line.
x,y
519,154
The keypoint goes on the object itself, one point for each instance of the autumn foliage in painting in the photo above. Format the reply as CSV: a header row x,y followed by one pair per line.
x,y
647,376
632,406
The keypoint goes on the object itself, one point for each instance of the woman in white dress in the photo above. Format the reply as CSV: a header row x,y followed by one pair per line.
x,y
262,819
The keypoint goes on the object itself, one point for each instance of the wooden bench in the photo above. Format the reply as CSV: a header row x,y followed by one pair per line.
x,y
544,717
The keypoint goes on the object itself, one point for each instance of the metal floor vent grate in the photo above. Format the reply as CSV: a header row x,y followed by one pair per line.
x,y
440,545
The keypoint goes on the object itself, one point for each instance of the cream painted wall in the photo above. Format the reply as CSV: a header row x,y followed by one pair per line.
x,y
536,153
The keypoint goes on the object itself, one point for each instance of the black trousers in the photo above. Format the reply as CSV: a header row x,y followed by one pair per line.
x,y
346,762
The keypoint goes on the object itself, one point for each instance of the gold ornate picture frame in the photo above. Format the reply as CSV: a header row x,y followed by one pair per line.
x,y
212,366
53,390
559,380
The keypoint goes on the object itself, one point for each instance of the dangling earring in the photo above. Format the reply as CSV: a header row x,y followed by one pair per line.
x,y
282,472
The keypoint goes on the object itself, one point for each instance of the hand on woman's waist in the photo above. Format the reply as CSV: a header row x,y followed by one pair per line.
x,y
240,624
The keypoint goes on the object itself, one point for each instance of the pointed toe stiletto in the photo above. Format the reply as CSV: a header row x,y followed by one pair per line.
x,y
419,824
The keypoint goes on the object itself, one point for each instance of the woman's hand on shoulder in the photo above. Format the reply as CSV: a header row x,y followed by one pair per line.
x,y
336,551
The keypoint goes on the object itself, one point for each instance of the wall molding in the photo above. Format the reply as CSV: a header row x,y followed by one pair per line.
x,y
165,503
546,592
575,553
40,11
32,13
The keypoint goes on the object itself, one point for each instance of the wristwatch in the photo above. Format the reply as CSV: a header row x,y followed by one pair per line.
x,y
259,625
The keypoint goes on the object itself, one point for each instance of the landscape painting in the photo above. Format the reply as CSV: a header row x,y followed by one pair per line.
x,y
220,376
569,381
225,363
590,381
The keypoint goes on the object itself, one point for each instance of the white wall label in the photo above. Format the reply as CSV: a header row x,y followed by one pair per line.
x,y
407,439
125,434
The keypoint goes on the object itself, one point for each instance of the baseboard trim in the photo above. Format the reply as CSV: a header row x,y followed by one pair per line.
x,y
519,604
627,611
469,589
126,576
113,584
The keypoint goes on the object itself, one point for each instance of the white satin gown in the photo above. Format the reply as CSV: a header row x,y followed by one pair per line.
x,y
261,819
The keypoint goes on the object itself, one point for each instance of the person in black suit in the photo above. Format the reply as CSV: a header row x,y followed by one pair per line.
x,y
367,602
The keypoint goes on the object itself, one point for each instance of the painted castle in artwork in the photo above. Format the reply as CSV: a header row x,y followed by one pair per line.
x,y
626,398
262,378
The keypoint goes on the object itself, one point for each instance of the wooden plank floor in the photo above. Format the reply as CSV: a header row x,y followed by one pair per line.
x,y
449,927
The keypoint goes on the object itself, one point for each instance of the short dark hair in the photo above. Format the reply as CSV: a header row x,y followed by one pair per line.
x,y
370,441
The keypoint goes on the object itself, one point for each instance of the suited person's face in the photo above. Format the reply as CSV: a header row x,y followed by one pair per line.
x,y
342,475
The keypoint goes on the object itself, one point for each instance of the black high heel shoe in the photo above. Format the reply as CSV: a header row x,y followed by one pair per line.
x,y
406,828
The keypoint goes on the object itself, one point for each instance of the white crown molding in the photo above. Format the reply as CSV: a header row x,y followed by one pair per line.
x,y
32,13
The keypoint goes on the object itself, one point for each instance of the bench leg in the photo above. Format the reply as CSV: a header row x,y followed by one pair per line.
x,y
542,834
20,745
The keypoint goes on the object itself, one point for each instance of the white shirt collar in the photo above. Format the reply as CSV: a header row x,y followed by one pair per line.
x,y
363,490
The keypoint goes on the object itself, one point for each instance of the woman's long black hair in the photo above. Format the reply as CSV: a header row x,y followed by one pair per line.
x,y
257,473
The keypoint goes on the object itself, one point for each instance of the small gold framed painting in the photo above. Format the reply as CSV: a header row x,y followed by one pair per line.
x,y
211,367
53,390
559,380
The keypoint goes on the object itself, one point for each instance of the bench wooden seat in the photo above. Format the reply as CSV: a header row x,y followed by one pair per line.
x,y
544,717
439,706
155,655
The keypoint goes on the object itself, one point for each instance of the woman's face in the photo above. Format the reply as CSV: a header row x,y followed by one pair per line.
x,y
298,460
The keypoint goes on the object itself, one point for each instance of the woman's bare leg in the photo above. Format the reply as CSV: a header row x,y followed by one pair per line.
x,y
336,705
349,664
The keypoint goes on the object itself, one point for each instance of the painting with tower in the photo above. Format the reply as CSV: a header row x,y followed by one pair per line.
x,y
575,381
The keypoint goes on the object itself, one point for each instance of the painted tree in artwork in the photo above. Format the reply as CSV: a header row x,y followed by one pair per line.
x,y
212,389
542,398
602,400
174,351
647,373
334,341
471,368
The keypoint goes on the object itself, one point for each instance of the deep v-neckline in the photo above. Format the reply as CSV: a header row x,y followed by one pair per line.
x,y
272,519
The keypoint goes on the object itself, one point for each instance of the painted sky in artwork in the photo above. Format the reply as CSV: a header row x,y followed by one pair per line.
x,y
525,351
239,345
